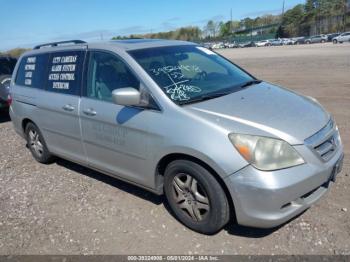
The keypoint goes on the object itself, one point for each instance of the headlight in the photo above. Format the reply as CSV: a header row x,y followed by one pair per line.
x,y
266,153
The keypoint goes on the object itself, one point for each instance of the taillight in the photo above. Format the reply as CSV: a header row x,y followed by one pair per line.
x,y
9,100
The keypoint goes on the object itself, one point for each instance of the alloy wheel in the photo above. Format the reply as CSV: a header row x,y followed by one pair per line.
x,y
190,197
35,143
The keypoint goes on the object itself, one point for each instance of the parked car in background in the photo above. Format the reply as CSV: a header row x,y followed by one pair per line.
x,y
7,65
277,42
232,45
316,39
247,44
207,45
287,41
344,37
262,43
330,37
218,45
169,116
299,40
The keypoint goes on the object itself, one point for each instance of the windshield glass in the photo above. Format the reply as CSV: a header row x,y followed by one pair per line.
x,y
190,73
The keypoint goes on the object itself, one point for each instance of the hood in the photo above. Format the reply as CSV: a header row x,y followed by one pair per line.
x,y
265,109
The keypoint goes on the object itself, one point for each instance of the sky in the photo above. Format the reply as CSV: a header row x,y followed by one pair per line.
x,y
25,23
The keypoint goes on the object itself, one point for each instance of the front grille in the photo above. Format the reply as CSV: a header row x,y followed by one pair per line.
x,y
326,149
325,142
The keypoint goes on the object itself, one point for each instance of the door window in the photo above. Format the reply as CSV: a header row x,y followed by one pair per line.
x,y
106,73
65,72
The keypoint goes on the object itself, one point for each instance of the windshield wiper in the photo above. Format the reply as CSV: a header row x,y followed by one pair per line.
x,y
204,97
215,95
250,83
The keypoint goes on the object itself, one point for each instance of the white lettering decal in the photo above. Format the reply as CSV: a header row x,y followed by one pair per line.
x,y
54,77
60,85
28,81
31,60
56,68
56,60
29,67
67,77
29,74
69,59
69,68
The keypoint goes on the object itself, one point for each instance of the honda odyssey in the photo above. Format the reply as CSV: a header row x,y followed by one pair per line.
x,y
176,118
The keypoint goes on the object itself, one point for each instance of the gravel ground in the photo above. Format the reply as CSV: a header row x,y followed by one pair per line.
x,y
64,208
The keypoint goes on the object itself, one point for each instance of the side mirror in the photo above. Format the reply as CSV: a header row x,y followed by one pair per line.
x,y
127,96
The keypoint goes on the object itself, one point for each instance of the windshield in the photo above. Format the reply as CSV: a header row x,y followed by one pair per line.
x,y
190,73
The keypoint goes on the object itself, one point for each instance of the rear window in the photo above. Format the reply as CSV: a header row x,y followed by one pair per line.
x,y
32,71
65,72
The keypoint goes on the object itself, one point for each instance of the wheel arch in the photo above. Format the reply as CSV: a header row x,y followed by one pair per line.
x,y
25,122
167,159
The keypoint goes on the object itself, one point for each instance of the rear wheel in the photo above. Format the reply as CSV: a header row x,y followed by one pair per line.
x,y
323,41
37,145
196,197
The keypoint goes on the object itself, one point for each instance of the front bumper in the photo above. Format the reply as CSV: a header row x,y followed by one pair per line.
x,y
268,199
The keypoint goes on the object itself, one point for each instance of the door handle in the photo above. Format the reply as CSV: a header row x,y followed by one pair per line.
x,y
68,107
89,112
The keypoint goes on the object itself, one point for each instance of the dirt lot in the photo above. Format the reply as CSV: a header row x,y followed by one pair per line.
x,y
64,208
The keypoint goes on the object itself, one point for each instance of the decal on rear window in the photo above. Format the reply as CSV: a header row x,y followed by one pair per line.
x,y
32,71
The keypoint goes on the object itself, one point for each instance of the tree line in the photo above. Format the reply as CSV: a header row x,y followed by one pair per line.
x,y
313,17
316,17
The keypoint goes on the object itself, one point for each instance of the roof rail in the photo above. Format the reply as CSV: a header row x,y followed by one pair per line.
x,y
59,43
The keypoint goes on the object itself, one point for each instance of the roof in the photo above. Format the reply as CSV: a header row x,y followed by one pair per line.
x,y
126,45
132,44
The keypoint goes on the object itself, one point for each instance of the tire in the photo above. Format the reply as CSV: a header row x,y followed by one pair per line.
x,y
308,42
5,81
37,145
335,41
323,41
195,196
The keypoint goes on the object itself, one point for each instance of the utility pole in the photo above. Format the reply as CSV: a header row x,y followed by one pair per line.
x,y
346,6
281,21
231,29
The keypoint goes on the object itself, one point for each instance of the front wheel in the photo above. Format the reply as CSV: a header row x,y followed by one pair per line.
x,y
37,145
196,197
335,41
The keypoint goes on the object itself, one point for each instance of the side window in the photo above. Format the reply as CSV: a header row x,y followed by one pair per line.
x,y
107,72
65,72
32,71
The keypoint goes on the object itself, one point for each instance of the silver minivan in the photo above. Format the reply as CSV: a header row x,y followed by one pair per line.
x,y
176,118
